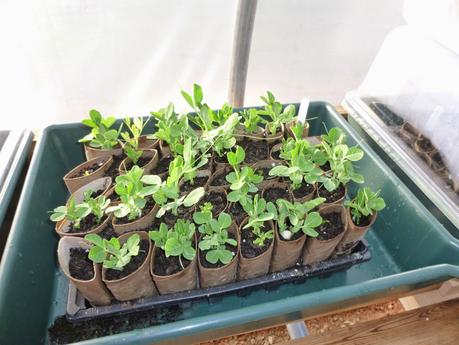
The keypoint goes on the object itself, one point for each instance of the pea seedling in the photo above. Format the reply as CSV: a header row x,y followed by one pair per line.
x,y
133,192
215,238
131,138
277,115
111,253
177,241
294,217
101,135
242,181
259,212
73,212
365,204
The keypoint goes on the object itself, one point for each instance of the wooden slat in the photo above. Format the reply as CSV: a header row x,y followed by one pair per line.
x,y
437,324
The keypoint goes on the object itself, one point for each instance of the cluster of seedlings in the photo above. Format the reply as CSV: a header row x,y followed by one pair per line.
x,y
208,198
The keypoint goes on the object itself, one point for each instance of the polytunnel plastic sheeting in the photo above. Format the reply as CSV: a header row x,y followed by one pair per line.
x,y
65,57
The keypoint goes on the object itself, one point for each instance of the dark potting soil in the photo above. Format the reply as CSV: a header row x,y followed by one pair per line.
x,y
108,233
250,250
113,171
187,186
65,332
232,249
274,193
254,150
331,196
326,166
276,155
265,173
304,190
220,179
141,162
437,162
87,223
363,221
167,266
425,145
331,226
97,193
80,267
185,213
148,207
133,265
217,199
237,212
220,159
163,165
88,170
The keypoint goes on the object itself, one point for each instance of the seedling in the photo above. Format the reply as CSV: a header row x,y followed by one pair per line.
x,y
365,204
101,135
97,205
204,215
171,128
73,212
110,253
300,164
131,138
259,212
188,164
220,139
277,115
294,217
187,200
215,238
251,120
341,170
242,181
133,192
177,241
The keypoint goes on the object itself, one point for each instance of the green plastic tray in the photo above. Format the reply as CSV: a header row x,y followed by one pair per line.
x,y
410,249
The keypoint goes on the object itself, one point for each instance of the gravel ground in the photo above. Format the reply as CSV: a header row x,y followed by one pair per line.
x,y
315,326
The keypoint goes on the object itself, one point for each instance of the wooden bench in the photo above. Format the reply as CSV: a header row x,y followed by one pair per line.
x,y
435,324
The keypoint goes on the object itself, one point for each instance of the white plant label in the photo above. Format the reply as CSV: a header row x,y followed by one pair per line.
x,y
303,111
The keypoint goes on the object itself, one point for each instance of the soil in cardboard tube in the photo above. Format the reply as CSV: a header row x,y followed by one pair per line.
x,y
132,266
248,248
220,179
148,207
166,266
141,162
274,193
254,150
276,155
237,212
363,221
331,196
88,170
305,189
113,170
265,173
232,249
108,233
87,223
425,145
217,199
80,267
187,186
330,227
163,165
170,219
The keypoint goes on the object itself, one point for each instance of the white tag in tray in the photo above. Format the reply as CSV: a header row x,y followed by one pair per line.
x,y
303,111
